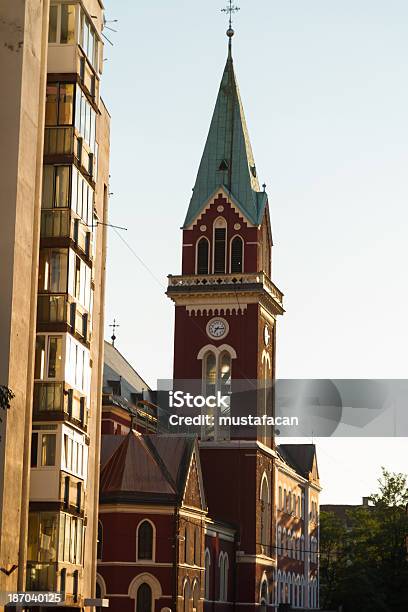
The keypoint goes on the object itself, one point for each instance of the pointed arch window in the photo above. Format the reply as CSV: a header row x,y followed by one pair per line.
x,y
145,536
207,563
144,598
265,510
237,255
220,236
186,596
202,256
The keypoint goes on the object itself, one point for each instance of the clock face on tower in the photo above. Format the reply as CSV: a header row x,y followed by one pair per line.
x,y
217,328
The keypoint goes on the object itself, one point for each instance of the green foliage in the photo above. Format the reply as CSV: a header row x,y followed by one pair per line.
x,y
6,395
363,556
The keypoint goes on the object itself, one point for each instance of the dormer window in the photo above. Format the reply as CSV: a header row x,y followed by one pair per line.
x,y
223,167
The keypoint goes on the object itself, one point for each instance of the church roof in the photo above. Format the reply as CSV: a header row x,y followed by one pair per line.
x,y
228,160
301,457
145,467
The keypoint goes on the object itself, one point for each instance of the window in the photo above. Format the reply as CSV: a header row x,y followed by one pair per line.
x,y
223,565
280,499
196,595
34,449
202,256
145,541
75,586
237,261
63,581
265,511
85,119
219,250
207,564
62,24
55,357
59,108
66,491
186,596
79,496
56,187
197,546
88,40
48,446
144,598
42,537
53,271
100,540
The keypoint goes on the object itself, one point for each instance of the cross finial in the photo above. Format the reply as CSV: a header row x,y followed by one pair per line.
x,y
114,325
230,10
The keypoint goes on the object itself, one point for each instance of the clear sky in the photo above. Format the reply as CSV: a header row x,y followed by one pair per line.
x,y
325,93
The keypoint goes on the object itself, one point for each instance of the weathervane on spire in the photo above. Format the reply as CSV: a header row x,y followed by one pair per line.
x,y
230,9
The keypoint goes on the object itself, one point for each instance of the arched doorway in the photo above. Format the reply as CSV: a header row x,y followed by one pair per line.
x,y
144,598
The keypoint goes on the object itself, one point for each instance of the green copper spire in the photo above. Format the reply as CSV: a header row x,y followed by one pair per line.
x,y
227,160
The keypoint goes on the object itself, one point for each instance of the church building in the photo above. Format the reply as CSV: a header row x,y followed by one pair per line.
x,y
226,519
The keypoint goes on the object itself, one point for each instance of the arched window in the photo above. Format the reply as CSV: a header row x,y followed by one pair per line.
x,y
220,235
144,598
264,595
225,373
196,595
279,541
202,256
100,540
210,362
197,546
186,544
224,566
186,596
265,511
207,564
145,541
237,255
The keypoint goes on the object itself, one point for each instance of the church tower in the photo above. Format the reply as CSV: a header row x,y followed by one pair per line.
x,y
226,307
226,304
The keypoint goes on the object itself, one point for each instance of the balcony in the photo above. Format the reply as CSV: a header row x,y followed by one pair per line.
x,y
63,403
62,223
255,282
62,140
55,309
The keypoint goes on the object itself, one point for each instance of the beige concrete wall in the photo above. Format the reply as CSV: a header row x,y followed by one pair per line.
x,y
23,31
101,202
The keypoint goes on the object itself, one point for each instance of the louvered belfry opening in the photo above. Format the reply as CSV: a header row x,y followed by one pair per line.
x,y
202,256
237,255
219,250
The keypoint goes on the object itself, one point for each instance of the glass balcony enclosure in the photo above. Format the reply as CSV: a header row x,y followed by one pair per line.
x,y
59,358
69,24
59,446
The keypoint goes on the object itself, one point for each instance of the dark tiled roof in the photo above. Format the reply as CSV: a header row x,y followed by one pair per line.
x,y
150,468
299,456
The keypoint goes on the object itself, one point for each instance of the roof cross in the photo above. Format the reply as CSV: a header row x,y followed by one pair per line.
x,y
114,325
230,9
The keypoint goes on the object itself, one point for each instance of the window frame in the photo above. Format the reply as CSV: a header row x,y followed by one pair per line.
x,y
142,560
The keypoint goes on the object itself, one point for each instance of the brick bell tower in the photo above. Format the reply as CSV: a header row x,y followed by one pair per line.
x,y
226,308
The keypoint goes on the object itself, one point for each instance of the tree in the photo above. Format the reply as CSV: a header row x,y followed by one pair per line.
x,y
6,395
364,563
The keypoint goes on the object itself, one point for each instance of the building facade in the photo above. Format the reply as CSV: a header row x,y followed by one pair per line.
x,y
57,298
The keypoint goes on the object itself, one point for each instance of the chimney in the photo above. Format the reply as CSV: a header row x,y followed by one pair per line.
x,y
365,501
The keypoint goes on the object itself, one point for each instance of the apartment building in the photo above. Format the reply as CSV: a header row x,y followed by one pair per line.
x,y
53,245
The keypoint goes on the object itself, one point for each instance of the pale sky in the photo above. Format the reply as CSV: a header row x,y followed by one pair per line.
x,y
325,94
